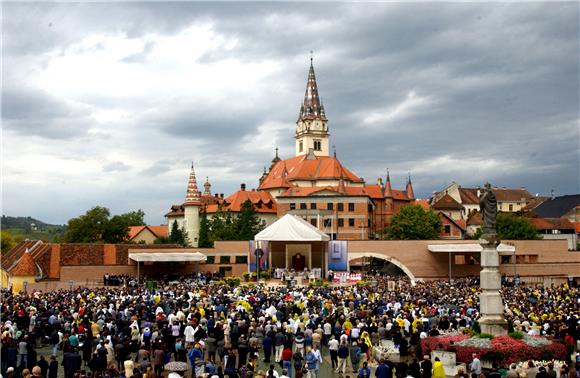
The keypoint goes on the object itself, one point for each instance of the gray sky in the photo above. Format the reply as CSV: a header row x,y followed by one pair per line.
x,y
107,104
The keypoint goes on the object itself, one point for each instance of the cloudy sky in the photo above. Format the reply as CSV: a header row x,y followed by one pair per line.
x,y
107,104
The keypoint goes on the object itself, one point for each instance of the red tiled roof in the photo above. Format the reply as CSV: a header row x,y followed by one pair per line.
x,y
552,223
423,203
511,195
263,202
459,223
534,202
447,203
400,195
176,211
25,266
303,168
159,231
475,219
468,196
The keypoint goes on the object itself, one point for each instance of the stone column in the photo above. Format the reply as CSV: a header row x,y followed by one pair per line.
x,y
490,302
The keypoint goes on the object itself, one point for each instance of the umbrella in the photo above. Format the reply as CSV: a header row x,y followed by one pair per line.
x,y
176,366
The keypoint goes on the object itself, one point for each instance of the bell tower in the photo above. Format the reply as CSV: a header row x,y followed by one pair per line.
x,y
312,125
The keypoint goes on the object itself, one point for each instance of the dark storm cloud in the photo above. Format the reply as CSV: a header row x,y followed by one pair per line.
x,y
464,92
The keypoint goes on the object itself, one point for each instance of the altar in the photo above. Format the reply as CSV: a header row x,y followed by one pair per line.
x,y
296,246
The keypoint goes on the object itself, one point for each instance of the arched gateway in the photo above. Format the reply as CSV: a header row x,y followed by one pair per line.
x,y
392,260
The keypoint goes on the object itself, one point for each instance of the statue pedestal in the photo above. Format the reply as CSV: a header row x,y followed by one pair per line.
x,y
490,303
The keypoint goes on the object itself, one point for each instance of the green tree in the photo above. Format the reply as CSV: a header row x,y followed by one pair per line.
x,y
97,225
7,241
204,240
511,227
222,225
178,235
248,223
413,222
88,228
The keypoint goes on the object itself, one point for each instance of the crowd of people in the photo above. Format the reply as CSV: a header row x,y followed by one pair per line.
x,y
206,330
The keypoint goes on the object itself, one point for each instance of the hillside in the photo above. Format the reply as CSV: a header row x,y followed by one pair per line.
x,y
31,228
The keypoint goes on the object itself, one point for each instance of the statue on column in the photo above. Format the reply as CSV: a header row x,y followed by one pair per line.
x,y
488,208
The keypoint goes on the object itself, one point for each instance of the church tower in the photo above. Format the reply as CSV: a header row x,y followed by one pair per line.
x,y
312,125
191,208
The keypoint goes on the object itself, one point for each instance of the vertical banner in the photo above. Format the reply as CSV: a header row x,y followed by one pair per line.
x,y
337,255
265,246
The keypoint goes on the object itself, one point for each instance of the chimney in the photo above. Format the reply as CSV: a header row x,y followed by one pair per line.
x,y
217,195
243,187
221,195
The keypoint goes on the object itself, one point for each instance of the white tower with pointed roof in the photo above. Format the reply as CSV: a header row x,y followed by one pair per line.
x,y
312,125
191,208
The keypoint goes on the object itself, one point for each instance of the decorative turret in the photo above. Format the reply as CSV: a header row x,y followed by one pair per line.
x,y
207,187
191,208
311,127
192,196
409,189
388,189
276,158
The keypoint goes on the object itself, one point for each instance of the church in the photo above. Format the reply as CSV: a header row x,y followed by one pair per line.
x,y
313,184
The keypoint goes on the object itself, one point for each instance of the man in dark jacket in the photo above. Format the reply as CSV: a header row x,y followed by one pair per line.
x,y
383,370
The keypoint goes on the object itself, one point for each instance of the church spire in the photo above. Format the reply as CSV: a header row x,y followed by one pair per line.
x,y
311,106
409,189
311,126
192,196
388,189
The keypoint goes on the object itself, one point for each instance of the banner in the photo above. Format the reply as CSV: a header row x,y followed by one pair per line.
x,y
265,247
337,255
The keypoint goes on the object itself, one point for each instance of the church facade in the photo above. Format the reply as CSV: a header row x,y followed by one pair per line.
x,y
313,184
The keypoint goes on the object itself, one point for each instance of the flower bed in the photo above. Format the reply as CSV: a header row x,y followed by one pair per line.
x,y
502,349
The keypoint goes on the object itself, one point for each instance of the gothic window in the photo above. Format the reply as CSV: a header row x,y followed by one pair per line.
x,y
300,146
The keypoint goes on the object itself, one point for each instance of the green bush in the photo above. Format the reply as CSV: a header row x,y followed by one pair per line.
x,y
484,336
316,283
516,335
233,281
265,275
246,276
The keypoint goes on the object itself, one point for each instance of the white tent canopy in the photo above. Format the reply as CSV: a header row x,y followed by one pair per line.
x,y
291,228
167,256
